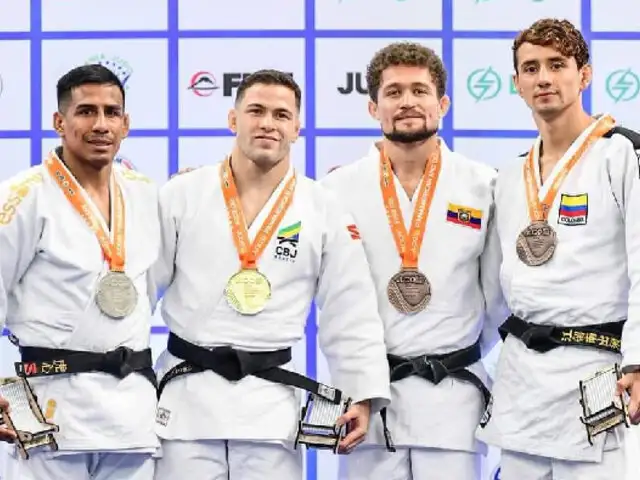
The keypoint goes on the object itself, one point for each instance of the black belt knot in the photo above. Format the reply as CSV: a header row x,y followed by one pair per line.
x,y
118,362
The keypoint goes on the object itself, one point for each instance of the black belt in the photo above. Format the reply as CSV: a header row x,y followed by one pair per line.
x,y
40,362
542,338
435,368
234,365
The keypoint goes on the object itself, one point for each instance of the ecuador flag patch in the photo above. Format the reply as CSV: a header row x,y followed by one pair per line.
x,y
466,216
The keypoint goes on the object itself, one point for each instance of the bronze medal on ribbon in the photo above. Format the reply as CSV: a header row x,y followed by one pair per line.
x,y
409,291
536,244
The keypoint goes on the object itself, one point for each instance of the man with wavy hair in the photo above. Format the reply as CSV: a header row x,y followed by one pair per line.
x,y
568,218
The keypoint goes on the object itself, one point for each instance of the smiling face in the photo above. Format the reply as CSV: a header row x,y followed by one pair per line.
x,y
408,106
266,121
92,123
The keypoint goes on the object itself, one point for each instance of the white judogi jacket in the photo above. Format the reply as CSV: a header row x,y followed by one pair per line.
x,y
50,265
593,277
198,258
462,264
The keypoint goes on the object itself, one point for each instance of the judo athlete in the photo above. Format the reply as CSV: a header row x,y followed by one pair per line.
x,y
247,245
425,215
568,217
78,237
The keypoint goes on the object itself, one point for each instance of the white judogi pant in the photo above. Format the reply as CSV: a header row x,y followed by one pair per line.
x,y
227,460
80,466
376,463
520,466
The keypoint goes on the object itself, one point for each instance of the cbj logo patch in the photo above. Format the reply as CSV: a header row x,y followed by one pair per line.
x,y
287,242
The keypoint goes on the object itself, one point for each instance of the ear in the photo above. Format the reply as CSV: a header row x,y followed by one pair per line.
x,y
126,125
445,104
373,110
516,83
297,127
586,74
58,123
232,120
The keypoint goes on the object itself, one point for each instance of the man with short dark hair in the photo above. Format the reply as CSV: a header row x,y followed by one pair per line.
x,y
78,237
426,219
568,218
247,245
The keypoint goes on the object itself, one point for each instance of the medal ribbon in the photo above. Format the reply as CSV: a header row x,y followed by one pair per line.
x,y
409,243
250,252
114,252
539,210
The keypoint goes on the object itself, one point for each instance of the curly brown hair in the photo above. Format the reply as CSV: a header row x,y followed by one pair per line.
x,y
561,35
405,54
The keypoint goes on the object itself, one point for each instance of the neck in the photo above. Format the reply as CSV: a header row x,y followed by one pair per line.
x,y
249,176
90,177
560,132
409,160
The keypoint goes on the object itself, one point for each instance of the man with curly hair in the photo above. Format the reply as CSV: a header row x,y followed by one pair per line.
x,y
568,219
425,216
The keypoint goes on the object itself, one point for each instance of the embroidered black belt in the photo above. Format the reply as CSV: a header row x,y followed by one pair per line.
x,y
40,362
435,368
234,365
543,338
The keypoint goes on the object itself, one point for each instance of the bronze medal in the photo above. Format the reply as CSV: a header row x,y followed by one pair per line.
x,y
409,291
536,244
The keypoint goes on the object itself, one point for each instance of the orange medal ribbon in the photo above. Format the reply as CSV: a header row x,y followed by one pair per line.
x,y
409,243
114,252
250,252
539,210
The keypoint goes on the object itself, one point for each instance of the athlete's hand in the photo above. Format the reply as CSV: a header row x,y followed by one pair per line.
x,y
357,421
6,434
630,383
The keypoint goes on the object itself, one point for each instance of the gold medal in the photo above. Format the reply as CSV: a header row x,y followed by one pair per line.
x,y
248,291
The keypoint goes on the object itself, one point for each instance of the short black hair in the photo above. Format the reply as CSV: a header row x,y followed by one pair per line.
x,y
270,77
95,74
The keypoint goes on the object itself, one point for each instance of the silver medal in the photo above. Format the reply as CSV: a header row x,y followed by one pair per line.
x,y
536,244
116,296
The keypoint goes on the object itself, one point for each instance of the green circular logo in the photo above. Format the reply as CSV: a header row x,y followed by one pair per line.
x,y
484,84
623,85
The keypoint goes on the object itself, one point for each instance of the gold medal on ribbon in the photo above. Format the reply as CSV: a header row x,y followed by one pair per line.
x,y
248,291
537,243
409,290
116,294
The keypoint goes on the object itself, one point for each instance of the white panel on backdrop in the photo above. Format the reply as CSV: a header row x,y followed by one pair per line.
x,y
83,15
607,16
497,152
333,152
510,15
616,80
15,16
379,14
15,156
241,15
484,96
211,70
149,156
341,86
140,63
197,151
15,90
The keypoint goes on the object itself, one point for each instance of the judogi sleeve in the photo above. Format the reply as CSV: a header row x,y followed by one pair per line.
x,y
350,330
20,228
496,310
164,267
626,188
